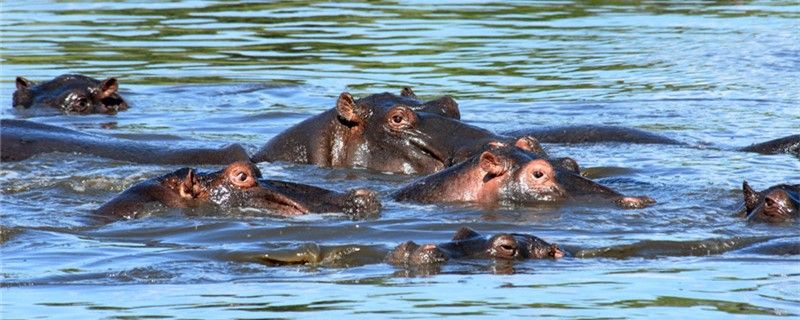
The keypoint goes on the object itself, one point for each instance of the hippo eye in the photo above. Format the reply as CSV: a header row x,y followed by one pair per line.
x,y
242,179
769,202
538,174
241,176
81,104
397,119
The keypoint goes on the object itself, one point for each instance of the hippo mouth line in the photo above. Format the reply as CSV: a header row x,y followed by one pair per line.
x,y
432,153
283,204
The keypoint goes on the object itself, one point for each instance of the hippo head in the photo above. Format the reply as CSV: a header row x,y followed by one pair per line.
x,y
72,94
397,138
240,185
520,247
777,204
516,174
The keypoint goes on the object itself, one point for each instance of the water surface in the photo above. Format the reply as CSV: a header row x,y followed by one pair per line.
x,y
715,75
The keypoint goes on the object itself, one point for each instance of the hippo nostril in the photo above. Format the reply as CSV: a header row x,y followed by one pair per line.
x,y
538,174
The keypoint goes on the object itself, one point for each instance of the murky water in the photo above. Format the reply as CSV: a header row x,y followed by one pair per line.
x,y
715,75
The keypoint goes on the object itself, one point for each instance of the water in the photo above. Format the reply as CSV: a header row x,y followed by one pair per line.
x,y
715,75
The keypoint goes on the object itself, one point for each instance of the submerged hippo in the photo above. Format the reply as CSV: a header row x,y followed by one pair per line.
x,y
380,132
468,244
71,94
778,203
238,185
21,139
789,144
510,174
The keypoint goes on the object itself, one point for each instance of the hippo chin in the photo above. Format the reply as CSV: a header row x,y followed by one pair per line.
x,y
511,175
468,244
71,94
382,132
21,139
776,204
237,186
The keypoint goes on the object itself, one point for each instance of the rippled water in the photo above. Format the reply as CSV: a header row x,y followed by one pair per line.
x,y
715,75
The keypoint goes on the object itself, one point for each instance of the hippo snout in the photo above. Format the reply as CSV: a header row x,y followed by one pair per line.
x,y
361,202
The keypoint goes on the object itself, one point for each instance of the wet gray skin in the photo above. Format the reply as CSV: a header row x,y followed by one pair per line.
x,y
70,94
789,144
468,244
376,133
22,139
776,204
240,185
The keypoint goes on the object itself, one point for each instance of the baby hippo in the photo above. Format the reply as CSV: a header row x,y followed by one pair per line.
x,y
238,185
71,94
777,204
471,245
511,175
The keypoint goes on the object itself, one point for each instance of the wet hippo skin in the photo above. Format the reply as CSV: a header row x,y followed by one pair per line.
x,y
21,139
238,185
789,144
776,204
71,94
510,175
468,244
382,132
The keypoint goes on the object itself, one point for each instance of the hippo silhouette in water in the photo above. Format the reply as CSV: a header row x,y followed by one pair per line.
x,y
238,185
776,204
71,94
468,244
510,175
21,139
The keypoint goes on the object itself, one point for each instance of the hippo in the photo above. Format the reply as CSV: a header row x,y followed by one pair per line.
x,y
71,94
240,185
469,244
380,132
510,175
776,204
789,144
592,134
22,139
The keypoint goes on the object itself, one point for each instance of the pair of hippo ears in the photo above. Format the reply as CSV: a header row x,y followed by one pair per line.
x,y
104,89
526,143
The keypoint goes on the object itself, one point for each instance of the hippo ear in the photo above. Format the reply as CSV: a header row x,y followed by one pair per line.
x,y
750,196
23,84
346,107
530,144
465,233
492,164
407,92
569,164
186,187
107,87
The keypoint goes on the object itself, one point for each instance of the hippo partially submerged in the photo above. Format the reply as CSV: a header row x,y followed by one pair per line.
x,y
776,204
21,139
381,132
468,244
510,174
238,185
71,94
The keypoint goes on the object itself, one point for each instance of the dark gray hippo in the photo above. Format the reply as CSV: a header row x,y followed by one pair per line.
x,y
238,185
776,204
21,139
70,94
